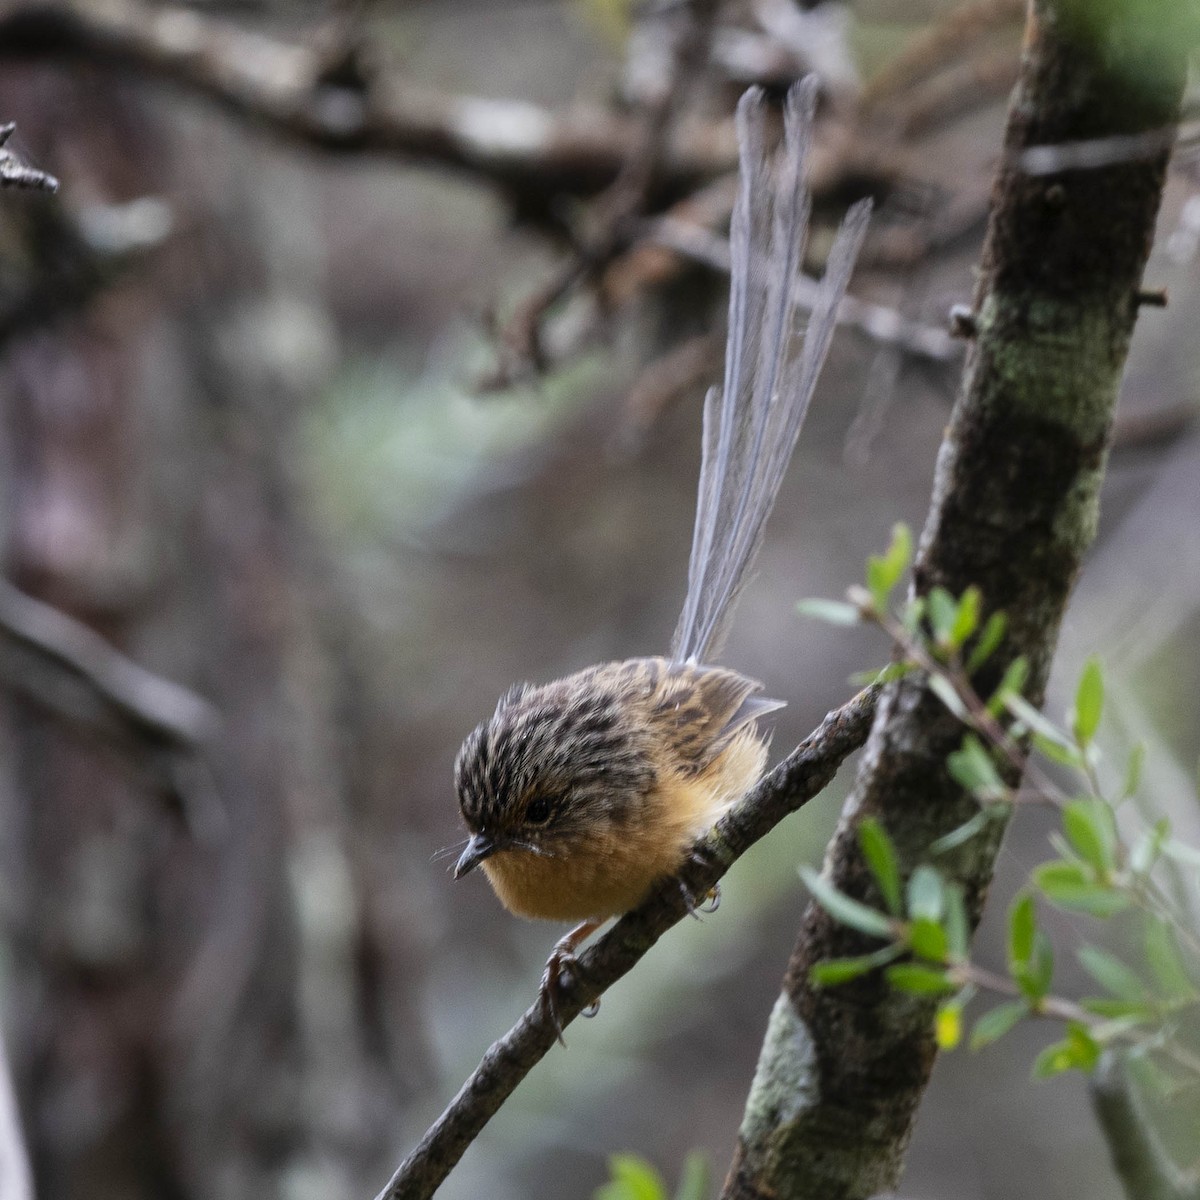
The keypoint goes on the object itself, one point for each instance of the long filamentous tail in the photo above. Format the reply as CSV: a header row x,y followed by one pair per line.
x,y
752,422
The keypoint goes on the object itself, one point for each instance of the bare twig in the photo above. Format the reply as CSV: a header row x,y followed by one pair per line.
x,y
16,173
794,782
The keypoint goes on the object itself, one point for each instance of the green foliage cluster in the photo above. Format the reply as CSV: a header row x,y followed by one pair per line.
x,y
1150,1008
633,1178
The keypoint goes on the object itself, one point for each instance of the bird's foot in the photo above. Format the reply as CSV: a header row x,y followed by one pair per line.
x,y
561,975
697,902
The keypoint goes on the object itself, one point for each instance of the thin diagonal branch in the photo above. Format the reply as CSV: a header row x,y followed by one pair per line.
x,y
795,781
60,664
113,686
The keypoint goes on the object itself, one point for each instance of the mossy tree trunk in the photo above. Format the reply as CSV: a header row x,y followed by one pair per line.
x,y
1014,509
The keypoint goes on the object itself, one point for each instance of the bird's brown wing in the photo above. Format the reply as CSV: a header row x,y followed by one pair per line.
x,y
696,710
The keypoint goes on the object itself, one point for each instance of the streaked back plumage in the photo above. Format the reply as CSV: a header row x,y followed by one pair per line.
x,y
752,422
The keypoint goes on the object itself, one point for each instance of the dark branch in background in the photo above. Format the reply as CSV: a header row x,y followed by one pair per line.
x,y
16,173
1139,1156
63,665
842,1070
520,341
295,92
787,788
84,252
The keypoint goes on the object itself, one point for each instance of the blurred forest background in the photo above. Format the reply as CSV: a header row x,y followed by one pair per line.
x,y
344,435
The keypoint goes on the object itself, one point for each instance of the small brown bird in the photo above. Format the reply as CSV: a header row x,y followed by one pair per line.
x,y
581,794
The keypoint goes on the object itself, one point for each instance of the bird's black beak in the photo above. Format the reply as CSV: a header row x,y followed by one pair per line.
x,y
478,848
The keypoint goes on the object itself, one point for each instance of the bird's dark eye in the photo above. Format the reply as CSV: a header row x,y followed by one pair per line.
x,y
538,811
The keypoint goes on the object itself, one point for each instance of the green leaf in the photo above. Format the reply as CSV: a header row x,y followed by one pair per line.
x,y
1055,751
1077,1051
1034,976
987,642
996,1022
919,981
1111,973
834,612
928,939
844,908
695,1182
880,854
1149,847
1089,702
1090,829
942,609
926,896
1011,683
1070,885
973,768
884,571
1102,1006
1056,743
1133,771
958,930
1022,926
834,971
633,1178
947,1024
966,617
912,615
964,832
943,689
1165,961
888,674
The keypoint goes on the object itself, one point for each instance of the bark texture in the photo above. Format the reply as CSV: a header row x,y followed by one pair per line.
x,y
1014,509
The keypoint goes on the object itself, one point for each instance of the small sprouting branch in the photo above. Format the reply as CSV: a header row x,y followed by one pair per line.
x,y
795,781
1143,1012
16,173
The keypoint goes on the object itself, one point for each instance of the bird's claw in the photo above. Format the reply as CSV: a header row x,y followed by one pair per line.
x,y
557,979
707,903
697,903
